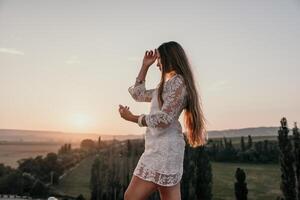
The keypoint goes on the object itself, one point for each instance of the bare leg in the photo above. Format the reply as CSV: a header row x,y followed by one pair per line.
x,y
170,192
139,189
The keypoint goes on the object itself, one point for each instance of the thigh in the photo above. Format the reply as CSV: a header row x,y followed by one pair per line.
x,y
170,192
139,189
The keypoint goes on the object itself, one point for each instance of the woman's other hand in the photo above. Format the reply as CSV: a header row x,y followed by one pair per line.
x,y
149,58
125,113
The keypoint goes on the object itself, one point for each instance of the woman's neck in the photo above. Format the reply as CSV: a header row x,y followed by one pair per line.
x,y
169,75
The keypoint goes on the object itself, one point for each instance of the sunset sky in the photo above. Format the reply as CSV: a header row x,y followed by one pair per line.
x,y
67,65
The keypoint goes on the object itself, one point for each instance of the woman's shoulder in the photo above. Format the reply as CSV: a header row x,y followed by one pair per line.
x,y
175,82
177,79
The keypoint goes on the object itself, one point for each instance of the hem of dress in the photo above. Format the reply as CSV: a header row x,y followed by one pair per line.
x,y
150,180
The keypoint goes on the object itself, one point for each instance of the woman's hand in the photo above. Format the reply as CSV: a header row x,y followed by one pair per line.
x,y
125,112
149,58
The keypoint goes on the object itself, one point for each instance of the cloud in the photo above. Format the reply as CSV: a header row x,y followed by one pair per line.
x,y
219,85
72,60
11,51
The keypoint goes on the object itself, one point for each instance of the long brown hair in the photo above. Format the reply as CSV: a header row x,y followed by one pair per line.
x,y
173,58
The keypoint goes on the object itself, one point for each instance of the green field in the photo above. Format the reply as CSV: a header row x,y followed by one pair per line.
x,y
263,180
77,181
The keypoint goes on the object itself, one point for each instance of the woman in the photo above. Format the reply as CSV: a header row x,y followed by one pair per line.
x,y
161,164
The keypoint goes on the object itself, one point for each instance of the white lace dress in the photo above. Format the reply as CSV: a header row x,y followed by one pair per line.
x,y
162,160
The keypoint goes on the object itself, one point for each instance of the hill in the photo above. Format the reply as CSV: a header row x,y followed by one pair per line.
x,y
25,136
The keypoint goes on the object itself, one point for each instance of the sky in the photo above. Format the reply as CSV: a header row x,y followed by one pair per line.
x,y
67,65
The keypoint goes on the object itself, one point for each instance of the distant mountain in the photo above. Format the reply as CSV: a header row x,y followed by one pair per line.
x,y
255,131
15,135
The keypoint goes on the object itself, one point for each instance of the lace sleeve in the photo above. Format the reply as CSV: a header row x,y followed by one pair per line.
x,y
174,100
139,93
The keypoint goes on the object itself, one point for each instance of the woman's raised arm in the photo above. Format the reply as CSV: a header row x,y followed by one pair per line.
x,y
138,91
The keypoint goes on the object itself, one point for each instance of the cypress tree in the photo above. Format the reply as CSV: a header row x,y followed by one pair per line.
x,y
230,144
187,173
249,142
99,143
203,175
266,146
286,159
225,142
221,145
95,182
129,148
243,148
240,187
296,138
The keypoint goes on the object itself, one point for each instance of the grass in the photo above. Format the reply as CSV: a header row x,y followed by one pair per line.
x,y
77,181
263,180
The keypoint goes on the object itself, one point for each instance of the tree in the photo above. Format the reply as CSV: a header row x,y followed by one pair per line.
x,y
286,158
95,181
240,187
203,175
243,147
39,189
51,166
129,148
11,183
188,173
5,169
249,142
66,148
296,139
99,144
69,147
87,144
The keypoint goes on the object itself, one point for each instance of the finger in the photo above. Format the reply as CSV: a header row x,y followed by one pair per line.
x,y
154,54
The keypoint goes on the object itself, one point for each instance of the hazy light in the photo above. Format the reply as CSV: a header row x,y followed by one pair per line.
x,y
80,121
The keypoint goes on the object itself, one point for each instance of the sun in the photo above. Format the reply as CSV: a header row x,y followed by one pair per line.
x,y
80,120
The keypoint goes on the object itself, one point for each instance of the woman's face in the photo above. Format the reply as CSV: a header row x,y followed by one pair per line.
x,y
158,61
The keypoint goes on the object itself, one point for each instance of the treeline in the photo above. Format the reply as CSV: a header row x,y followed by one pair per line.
x,y
35,176
113,168
289,161
222,150
115,161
